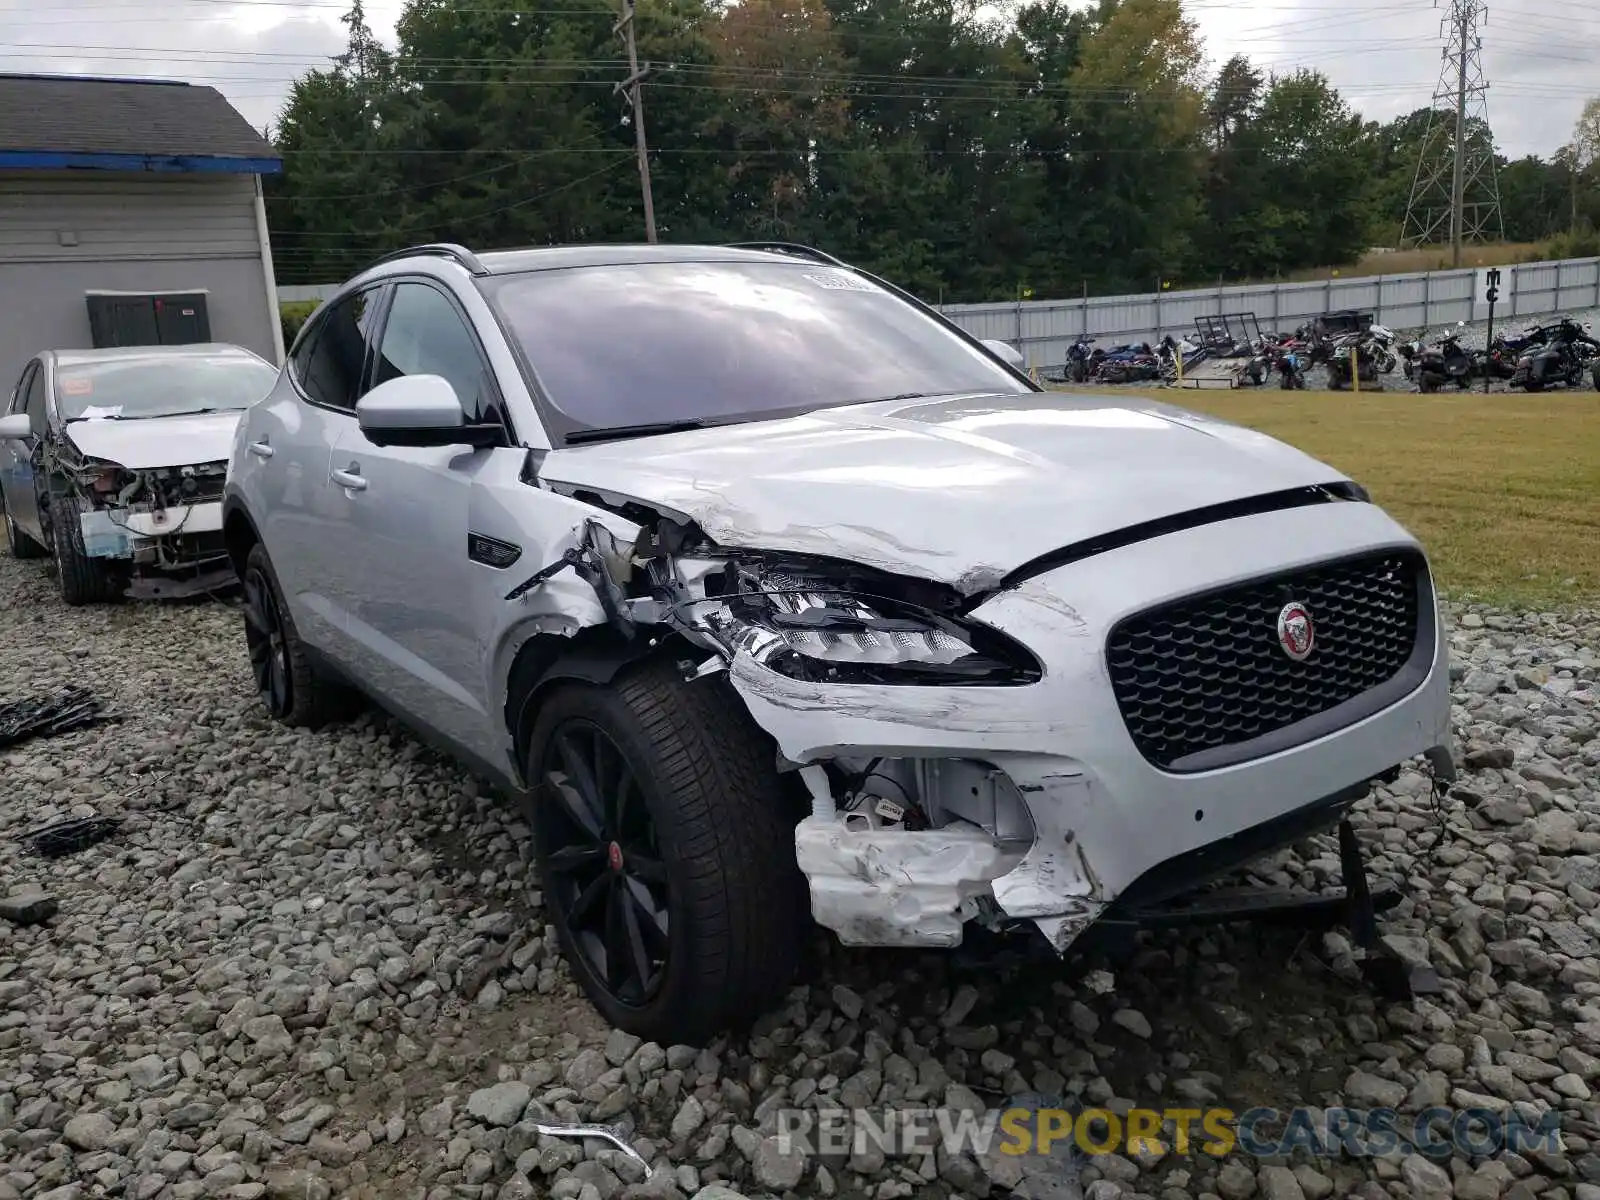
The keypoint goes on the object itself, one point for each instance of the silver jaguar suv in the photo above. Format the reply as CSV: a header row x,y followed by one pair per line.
x,y
778,598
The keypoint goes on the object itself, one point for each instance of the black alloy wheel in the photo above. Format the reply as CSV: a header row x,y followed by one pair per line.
x,y
603,864
266,640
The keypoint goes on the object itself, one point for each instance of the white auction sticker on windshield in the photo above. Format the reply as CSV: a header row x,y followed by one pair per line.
x,y
839,281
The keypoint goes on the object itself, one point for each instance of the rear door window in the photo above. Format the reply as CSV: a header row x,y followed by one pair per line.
x,y
330,364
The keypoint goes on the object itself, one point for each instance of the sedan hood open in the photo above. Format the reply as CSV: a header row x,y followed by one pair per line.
x,y
959,489
141,443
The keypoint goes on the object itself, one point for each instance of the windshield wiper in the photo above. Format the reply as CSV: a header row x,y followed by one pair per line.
x,y
645,429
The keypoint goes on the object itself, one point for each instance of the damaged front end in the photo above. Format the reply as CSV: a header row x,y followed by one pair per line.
x,y
966,755
900,849
160,527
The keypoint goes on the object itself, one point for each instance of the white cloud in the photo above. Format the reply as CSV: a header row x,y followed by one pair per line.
x,y
1539,57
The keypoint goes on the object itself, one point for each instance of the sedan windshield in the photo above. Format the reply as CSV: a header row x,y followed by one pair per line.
x,y
631,347
160,386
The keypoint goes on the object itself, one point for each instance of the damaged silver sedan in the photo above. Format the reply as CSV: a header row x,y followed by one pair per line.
x,y
781,598
112,462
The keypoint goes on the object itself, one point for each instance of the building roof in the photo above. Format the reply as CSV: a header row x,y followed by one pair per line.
x,y
53,121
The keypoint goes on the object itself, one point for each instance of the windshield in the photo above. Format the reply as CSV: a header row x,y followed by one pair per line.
x,y
160,386
644,343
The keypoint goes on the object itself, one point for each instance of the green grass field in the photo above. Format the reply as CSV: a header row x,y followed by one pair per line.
x,y
1502,490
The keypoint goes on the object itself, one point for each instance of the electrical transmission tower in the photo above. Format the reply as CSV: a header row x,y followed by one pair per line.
x,y
1455,192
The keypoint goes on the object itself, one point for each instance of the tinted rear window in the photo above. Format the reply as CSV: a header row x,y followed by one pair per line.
x,y
645,342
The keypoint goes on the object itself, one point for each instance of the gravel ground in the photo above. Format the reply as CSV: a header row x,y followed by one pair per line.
x,y
311,965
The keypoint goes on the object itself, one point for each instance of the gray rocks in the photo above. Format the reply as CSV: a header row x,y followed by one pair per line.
x,y
1369,1091
775,1167
1279,1183
28,906
290,1184
282,987
690,1117
89,1131
501,1104
1133,1021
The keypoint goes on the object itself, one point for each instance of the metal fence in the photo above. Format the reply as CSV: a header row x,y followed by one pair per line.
x,y
1043,329
300,293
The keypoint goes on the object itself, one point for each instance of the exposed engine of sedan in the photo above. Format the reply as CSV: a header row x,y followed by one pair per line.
x,y
160,525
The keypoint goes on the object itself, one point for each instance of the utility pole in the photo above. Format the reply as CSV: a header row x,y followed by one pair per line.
x,y
1455,194
1464,15
633,84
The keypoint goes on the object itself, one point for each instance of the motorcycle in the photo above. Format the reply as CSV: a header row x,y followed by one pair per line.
x,y
1082,359
1566,350
1444,362
1352,358
1128,363
1409,353
1171,349
1500,359
1381,340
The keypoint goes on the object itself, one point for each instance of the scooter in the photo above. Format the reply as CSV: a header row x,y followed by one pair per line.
x,y
1445,362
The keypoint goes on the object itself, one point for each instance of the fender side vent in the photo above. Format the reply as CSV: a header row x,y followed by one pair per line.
x,y
492,552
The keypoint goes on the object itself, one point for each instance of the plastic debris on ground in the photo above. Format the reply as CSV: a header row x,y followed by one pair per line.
x,y
46,716
69,837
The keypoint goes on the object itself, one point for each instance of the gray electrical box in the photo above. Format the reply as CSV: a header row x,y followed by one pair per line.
x,y
148,319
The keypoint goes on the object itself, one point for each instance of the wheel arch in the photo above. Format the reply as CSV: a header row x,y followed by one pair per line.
x,y
593,655
239,534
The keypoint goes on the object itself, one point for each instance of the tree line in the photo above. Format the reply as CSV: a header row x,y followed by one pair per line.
x,y
1053,152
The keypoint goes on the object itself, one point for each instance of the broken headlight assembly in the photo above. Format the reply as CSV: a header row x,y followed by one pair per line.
x,y
830,622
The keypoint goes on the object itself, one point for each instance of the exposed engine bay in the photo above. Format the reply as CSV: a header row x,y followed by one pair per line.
x,y
160,526
899,851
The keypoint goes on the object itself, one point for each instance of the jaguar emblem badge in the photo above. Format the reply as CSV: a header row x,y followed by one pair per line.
x,y
1296,634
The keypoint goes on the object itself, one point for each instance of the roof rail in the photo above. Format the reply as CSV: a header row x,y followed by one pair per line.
x,y
795,248
449,250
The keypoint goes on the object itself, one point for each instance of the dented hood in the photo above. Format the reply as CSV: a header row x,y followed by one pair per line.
x,y
958,489
143,442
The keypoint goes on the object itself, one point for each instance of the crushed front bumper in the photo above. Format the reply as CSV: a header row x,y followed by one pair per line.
x,y
174,552
1104,818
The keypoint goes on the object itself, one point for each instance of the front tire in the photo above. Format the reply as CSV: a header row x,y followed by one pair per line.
x,y
665,846
83,580
289,686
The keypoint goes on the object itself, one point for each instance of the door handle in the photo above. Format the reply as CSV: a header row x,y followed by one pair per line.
x,y
261,449
348,480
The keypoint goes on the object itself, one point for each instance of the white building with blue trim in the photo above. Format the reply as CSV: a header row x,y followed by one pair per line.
x,y
130,213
